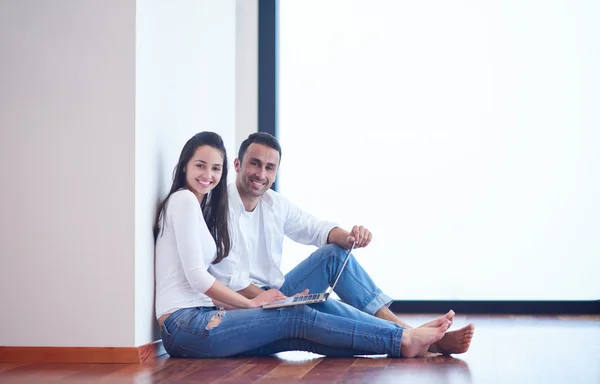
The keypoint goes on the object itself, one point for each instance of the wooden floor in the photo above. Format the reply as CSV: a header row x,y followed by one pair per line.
x,y
505,349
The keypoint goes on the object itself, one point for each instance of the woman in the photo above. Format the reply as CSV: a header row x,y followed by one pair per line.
x,y
192,233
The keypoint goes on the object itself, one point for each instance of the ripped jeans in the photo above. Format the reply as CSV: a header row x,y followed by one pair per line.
x,y
261,332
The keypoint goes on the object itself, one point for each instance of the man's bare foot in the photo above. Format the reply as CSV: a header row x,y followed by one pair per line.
x,y
416,341
440,320
454,342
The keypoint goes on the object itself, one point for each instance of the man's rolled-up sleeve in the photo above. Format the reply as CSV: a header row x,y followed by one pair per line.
x,y
305,228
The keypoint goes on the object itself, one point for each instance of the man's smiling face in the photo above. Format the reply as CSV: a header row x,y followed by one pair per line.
x,y
257,170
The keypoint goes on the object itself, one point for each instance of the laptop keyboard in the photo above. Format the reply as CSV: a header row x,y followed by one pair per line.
x,y
314,296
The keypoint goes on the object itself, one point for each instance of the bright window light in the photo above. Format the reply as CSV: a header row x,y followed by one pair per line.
x,y
464,134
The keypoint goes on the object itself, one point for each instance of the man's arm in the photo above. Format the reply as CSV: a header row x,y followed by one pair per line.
x,y
360,235
306,229
301,226
339,236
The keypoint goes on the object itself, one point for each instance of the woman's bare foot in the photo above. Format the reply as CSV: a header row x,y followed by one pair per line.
x,y
440,320
416,341
454,342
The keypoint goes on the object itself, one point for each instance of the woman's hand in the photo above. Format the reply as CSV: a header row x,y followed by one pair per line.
x,y
223,295
266,297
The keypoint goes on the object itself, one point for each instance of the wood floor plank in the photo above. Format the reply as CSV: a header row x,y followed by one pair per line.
x,y
217,369
129,373
524,349
290,372
179,369
251,371
45,372
369,363
95,372
328,371
4,367
365,370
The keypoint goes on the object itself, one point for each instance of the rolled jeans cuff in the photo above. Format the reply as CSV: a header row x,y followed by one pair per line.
x,y
377,303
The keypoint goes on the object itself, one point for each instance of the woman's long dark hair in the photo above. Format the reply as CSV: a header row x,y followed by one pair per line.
x,y
215,205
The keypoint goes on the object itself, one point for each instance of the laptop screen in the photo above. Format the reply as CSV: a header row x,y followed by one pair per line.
x,y
342,268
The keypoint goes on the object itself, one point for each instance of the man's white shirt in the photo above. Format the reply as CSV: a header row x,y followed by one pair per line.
x,y
257,239
251,222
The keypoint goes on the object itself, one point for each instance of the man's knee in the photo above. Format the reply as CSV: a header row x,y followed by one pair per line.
x,y
334,251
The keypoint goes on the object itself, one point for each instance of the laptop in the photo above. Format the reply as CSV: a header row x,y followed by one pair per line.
x,y
311,298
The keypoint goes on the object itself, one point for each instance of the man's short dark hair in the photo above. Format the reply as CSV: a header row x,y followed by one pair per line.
x,y
263,138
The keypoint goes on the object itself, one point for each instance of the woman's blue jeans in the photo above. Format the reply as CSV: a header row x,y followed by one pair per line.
x,y
332,328
260,332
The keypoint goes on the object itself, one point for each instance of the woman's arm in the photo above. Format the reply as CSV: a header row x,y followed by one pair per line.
x,y
221,294
190,234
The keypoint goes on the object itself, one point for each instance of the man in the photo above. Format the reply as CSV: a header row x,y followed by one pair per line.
x,y
260,218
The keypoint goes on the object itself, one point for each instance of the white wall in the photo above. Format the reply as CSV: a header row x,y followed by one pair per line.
x,y
95,104
185,83
246,71
67,99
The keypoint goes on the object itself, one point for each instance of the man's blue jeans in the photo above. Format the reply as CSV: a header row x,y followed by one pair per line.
x,y
355,287
260,332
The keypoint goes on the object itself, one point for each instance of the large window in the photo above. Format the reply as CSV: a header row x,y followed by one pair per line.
x,y
463,134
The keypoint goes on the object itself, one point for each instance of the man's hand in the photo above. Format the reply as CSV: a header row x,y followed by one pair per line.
x,y
360,235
